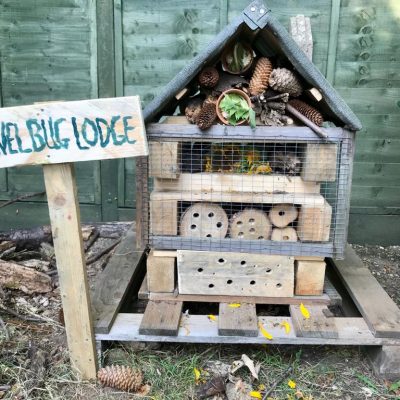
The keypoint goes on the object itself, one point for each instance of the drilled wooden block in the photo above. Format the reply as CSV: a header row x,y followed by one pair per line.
x,y
314,222
160,274
319,162
235,274
309,278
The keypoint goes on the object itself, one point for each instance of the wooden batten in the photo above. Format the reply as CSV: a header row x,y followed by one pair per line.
x,y
160,274
314,222
164,217
309,278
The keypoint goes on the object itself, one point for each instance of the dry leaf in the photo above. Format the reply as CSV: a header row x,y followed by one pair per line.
x,y
285,325
304,311
264,332
256,394
249,363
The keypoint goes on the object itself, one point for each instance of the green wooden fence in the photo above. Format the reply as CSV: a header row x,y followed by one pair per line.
x,y
78,49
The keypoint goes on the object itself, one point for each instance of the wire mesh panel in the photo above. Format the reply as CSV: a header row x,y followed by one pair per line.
x,y
253,192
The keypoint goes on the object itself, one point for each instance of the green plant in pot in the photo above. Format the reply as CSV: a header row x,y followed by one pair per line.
x,y
234,108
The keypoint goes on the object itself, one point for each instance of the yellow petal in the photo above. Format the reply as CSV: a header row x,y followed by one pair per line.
x,y
264,332
212,317
234,305
304,311
292,384
255,394
261,387
197,374
286,325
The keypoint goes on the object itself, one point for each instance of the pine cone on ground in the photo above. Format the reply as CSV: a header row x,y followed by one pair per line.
x,y
121,377
284,81
192,110
207,115
259,80
209,77
308,111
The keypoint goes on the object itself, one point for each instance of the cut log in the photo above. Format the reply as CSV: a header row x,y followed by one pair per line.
x,y
282,215
287,234
250,224
28,280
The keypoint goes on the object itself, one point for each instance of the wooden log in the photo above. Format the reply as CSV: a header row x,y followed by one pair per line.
x,y
250,224
314,223
164,217
164,159
160,274
320,162
282,215
309,278
204,220
287,234
26,279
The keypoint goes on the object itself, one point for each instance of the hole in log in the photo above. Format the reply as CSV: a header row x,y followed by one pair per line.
x,y
221,260
240,234
261,237
281,213
279,285
252,282
219,224
251,220
252,230
268,271
229,281
285,237
196,215
209,235
211,285
210,215
193,226
200,270
243,262
239,223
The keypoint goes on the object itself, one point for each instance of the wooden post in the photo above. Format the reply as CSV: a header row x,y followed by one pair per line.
x,y
71,266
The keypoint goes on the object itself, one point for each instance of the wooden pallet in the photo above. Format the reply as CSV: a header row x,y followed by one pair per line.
x,y
378,326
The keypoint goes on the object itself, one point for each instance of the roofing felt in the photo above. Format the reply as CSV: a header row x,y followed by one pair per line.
x,y
256,17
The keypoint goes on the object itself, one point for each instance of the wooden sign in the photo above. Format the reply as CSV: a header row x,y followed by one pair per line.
x,y
73,131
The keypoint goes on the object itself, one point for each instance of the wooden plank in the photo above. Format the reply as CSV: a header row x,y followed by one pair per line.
x,y
68,246
164,159
317,325
200,329
72,131
164,253
379,311
161,318
237,321
236,274
164,217
236,183
113,283
309,277
276,198
141,202
319,163
314,222
160,273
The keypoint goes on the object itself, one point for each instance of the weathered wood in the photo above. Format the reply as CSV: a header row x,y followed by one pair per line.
x,y
142,205
237,321
161,318
143,293
163,216
164,159
236,183
68,246
249,224
113,283
314,222
282,215
309,277
236,274
160,274
109,128
319,162
199,329
300,30
317,325
385,361
28,280
379,311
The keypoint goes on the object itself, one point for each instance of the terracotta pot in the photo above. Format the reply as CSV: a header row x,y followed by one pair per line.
x,y
231,91
226,52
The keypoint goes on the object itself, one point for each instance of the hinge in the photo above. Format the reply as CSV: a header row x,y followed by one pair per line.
x,y
255,14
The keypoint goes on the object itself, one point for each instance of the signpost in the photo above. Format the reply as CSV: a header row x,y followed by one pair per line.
x,y
56,135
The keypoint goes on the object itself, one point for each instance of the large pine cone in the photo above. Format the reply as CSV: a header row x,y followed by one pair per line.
x,y
192,110
121,377
284,81
259,80
308,111
207,115
209,77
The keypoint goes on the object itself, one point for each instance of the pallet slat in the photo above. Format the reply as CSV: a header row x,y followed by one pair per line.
x,y
237,321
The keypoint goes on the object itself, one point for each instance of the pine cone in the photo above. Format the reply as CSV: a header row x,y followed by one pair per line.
x,y
192,110
121,377
207,115
284,81
259,80
308,111
209,77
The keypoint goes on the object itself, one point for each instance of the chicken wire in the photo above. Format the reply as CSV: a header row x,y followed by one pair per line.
x,y
247,193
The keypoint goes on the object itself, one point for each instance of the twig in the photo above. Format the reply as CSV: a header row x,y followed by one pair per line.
x,y
277,382
92,239
19,198
23,317
100,254
4,326
321,133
